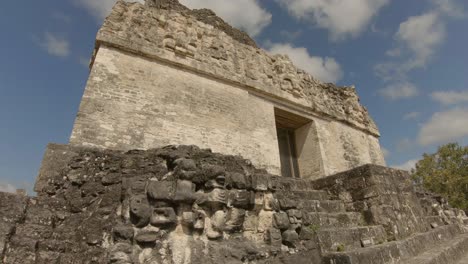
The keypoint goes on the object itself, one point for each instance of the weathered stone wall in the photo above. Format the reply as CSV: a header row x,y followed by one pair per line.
x,y
183,204
169,205
162,76
344,148
181,39
386,196
132,102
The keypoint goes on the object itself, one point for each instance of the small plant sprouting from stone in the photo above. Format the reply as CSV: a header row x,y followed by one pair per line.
x,y
340,248
313,228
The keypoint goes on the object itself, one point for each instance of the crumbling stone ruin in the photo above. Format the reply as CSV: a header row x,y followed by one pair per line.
x,y
176,152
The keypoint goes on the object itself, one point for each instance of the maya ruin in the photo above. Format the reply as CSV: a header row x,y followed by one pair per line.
x,y
193,145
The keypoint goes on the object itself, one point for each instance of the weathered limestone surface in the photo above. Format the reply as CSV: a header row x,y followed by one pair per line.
x,y
179,37
163,75
183,204
132,102
12,208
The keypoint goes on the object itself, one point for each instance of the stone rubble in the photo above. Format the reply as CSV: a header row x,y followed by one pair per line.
x,y
182,204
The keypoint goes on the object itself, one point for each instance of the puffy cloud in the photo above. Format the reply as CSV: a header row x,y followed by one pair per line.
x,y
407,166
450,97
343,18
449,8
100,8
325,69
421,35
6,187
385,152
247,15
393,52
444,126
55,45
411,115
417,40
399,90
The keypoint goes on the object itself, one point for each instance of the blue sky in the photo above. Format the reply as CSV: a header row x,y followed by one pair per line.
x,y
407,59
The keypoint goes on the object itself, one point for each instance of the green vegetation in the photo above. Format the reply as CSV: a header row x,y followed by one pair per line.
x,y
340,248
313,227
446,173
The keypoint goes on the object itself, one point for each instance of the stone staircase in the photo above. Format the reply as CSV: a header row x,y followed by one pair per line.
x,y
348,233
368,215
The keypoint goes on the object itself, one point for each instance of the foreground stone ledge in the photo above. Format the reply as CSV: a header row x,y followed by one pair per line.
x,y
183,204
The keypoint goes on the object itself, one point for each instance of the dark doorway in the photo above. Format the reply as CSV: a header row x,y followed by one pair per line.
x,y
288,154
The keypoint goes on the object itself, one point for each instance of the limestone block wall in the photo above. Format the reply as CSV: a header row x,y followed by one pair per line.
x,y
385,197
132,102
180,38
344,147
173,205
163,76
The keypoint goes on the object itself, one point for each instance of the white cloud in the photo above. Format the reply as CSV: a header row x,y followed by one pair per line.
x,y
100,8
411,115
444,127
6,187
408,166
421,35
385,152
417,40
343,18
450,97
247,15
396,52
449,8
399,90
55,45
325,69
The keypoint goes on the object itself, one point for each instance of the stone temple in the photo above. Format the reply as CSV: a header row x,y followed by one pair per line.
x,y
193,145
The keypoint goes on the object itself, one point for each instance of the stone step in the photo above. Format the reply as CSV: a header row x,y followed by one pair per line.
x,y
435,221
311,195
337,220
345,239
305,195
396,251
326,206
450,251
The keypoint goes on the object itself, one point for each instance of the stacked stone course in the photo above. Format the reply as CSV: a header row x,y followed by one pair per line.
x,y
182,204
98,202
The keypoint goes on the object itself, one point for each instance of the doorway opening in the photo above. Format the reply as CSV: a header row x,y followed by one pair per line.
x,y
287,125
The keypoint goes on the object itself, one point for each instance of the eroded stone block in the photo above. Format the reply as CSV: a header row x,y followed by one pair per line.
x,y
281,220
241,198
290,237
163,216
273,236
234,220
185,192
147,236
162,190
140,211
